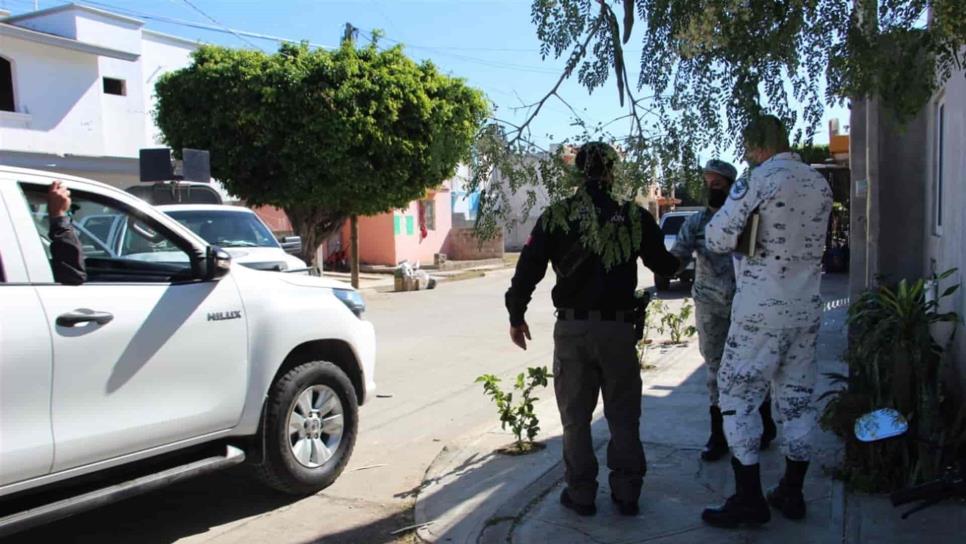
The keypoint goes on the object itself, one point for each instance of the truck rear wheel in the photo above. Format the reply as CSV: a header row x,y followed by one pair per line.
x,y
310,422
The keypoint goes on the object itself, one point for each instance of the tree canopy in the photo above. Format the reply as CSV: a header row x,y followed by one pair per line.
x,y
708,66
322,134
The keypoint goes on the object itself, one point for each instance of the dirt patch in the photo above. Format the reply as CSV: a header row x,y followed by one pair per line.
x,y
526,448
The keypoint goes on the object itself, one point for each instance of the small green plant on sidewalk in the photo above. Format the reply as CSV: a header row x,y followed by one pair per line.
x,y
652,322
678,324
520,417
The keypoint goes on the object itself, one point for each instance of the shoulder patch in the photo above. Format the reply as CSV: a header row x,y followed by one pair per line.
x,y
739,189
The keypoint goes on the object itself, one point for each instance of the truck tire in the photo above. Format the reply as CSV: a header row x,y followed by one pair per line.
x,y
661,283
310,426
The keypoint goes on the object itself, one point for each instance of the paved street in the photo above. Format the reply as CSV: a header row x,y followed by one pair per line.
x,y
432,345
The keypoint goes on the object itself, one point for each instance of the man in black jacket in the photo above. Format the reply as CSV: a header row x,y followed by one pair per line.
x,y
594,338
66,254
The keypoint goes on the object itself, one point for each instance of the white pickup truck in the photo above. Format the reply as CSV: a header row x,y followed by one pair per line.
x,y
168,362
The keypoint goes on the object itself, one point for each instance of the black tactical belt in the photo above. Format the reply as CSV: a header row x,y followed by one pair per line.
x,y
620,316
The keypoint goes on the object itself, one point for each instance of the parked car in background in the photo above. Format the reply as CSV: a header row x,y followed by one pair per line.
x,y
181,192
241,233
169,361
671,223
237,230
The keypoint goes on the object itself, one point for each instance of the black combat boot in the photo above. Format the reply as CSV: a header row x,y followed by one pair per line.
x,y
746,507
787,497
769,430
626,508
717,446
581,509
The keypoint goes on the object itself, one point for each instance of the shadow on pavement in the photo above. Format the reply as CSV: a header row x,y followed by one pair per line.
x,y
375,532
465,468
674,427
190,508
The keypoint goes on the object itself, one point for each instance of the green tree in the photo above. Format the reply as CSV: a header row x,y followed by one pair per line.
x,y
708,66
324,135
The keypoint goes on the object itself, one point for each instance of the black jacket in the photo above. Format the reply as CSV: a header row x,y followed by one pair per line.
x,y
591,286
66,254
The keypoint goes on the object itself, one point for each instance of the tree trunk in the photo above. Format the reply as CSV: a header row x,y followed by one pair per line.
x,y
354,244
314,225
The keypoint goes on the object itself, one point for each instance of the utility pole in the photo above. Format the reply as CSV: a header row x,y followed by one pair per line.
x,y
349,34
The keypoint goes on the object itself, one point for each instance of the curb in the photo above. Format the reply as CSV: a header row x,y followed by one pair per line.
x,y
498,526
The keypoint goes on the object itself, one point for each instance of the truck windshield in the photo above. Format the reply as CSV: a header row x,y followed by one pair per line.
x,y
226,229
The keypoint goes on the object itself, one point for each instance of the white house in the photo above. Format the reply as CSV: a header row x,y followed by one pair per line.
x,y
909,199
945,197
77,90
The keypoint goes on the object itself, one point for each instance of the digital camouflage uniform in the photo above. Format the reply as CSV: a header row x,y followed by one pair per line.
x,y
713,291
777,306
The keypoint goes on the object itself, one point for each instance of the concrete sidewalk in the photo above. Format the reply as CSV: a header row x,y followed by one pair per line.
x,y
679,485
473,495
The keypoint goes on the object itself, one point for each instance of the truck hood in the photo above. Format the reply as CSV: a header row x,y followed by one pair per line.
x,y
301,280
262,257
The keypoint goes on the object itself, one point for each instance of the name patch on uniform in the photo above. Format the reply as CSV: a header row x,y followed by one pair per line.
x,y
739,189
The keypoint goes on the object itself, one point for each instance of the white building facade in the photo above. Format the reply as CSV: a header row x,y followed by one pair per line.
x,y
77,91
945,198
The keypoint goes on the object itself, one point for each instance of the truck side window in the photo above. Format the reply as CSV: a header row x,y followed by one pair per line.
x,y
118,245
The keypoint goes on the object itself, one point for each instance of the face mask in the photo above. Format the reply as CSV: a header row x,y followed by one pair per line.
x,y
717,197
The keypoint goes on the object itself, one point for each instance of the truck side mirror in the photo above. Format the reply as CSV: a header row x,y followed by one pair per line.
x,y
292,244
217,263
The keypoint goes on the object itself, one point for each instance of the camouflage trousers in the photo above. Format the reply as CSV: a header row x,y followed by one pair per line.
x,y
755,360
712,321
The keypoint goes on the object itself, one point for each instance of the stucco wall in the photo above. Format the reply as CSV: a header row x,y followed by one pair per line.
x,y
159,54
275,218
60,92
410,247
902,208
376,245
947,249
124,117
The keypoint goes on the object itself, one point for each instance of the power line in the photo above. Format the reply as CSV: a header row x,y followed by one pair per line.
x,y
212,19
223,29
485,62
200,26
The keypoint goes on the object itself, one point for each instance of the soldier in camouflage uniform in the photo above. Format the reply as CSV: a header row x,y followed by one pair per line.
x,y
774,321
713,291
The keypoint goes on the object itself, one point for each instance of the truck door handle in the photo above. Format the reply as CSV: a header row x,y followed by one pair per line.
x,y
84,316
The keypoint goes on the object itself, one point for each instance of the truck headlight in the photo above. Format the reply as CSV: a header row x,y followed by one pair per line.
x,y
352,299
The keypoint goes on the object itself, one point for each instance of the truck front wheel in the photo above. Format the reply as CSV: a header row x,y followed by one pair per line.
x,y
310,428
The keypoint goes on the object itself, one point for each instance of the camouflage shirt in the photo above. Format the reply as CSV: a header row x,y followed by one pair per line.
x,y
779,286
714,273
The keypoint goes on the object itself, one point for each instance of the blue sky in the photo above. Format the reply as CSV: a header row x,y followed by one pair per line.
x,y
490,43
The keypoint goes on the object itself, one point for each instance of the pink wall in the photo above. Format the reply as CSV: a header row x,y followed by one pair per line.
x,y
275,218
375,239
378,243
411,247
